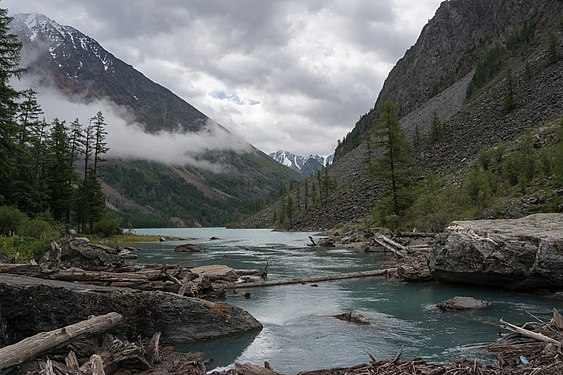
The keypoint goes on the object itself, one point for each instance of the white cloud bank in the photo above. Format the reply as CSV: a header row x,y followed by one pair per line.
x,y
128,140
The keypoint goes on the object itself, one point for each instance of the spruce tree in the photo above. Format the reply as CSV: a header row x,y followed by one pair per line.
x,y
10,48
59,171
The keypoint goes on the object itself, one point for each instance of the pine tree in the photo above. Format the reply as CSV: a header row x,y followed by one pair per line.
x,y
417,138
59,171
306,193
394,165
437,129
28,193
10,48
100,145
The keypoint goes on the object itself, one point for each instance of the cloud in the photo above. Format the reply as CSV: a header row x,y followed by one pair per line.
x,y
314,66
127,140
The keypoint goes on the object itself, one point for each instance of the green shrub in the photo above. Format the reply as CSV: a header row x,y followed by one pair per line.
x,y
11,220
108,227
478,187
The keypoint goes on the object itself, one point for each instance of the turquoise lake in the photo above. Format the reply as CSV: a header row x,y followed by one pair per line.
x,y
300,332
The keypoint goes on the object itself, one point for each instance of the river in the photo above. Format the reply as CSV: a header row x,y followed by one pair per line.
x,y
300,332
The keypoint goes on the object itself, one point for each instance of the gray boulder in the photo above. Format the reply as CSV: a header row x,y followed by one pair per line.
x,y
188,248
353,316
523,253
30,305
462,303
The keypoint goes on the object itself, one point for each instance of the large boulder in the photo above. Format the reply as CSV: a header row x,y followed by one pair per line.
x,y
30,305
521,253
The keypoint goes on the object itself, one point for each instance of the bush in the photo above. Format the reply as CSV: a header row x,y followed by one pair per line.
x,y
11,220
108,227
478,187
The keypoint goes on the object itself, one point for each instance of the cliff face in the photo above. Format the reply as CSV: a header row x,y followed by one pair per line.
x,y
449,47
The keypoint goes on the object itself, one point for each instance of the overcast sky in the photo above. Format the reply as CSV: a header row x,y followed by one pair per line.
x,y
283,74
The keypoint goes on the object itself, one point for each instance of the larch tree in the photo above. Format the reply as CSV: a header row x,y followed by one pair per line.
x,y
394,165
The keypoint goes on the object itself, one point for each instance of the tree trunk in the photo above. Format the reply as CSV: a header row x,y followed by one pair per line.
x,y
33,346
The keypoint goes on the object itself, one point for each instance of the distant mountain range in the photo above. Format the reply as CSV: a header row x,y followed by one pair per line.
x,y
144,192
306,165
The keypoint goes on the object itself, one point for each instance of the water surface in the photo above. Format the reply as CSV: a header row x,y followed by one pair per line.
x,y
300,332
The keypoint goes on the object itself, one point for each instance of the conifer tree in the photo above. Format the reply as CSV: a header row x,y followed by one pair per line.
x,y
100,145
59,171
306,193
10,48
394,165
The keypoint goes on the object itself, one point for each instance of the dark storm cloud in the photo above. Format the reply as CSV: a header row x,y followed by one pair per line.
x,y
270,71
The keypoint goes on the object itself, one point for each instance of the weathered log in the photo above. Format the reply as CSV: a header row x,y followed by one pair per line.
x,y
71,361
31,347
393,243
250,369
382,243
527,333
314,279
152,353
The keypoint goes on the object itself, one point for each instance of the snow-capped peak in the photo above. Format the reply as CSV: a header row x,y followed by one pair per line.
x,y
297,162
60,39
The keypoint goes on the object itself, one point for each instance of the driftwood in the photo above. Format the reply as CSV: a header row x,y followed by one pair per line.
x,y
527,333
31,347
399,253
314,279
250,369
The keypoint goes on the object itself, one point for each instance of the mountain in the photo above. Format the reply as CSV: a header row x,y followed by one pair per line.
x,y
144,192
490,72
306,165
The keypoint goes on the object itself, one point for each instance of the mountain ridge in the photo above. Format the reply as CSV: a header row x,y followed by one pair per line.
x,y
78,67
306,165
526,71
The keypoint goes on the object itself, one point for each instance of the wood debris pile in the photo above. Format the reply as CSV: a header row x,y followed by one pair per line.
x,y
535,348
86,348
76,261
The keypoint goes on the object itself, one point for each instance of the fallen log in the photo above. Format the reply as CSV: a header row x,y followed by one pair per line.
x,y
527,333
315,279
33,346
382,243
250,369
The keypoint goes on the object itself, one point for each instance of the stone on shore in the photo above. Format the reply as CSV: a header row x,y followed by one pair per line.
x,y
188,248
524,253
462,303
31,305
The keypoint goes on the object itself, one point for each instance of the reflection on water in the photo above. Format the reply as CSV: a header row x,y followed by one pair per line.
x,y
300,332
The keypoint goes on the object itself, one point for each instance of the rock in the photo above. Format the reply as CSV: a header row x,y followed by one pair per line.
x,y
325,242
353,316
126,254
462,303
414,270
161,239
214,238
30,305
216,272
524,253
188,248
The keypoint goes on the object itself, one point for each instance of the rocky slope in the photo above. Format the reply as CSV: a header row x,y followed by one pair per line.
x,y
450,46
471,123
